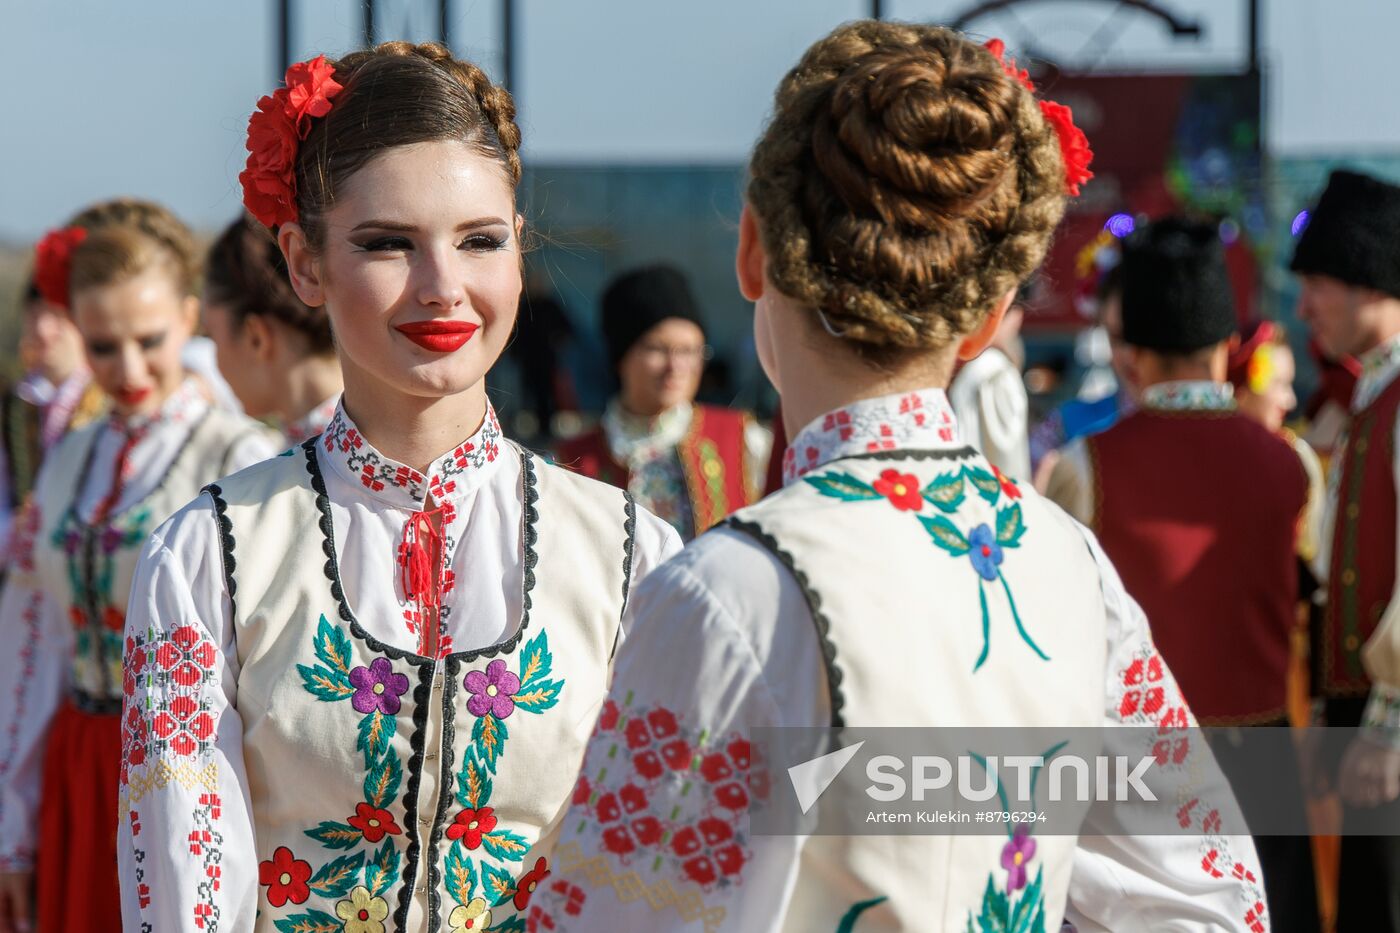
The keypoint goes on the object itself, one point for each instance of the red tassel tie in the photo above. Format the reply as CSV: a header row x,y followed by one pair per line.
x,y
420,575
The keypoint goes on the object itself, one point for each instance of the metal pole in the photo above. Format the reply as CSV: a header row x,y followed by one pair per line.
x,y
369,23
284,37
508,44
445,22
1254,35
876,9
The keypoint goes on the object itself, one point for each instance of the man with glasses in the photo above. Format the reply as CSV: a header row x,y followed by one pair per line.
x,y
690,464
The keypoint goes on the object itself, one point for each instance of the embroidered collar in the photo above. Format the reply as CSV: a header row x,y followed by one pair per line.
x,y
313,422
451,476
634,438
186,405
1190,395
922,419
1379,367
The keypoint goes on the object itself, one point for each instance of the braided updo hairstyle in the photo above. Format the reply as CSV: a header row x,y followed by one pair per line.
x,y
398,94
904,184
127,236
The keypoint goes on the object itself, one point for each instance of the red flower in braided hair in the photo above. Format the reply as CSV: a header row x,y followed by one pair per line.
x,y
1074,145
275,129
53,263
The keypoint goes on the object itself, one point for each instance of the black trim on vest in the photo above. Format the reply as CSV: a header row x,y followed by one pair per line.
x,y
226,545
332,567
447,778
814,603
408,879
629,528
952,453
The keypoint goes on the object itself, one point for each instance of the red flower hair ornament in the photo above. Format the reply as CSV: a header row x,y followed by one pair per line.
x,y
53,263
275,130
1074,145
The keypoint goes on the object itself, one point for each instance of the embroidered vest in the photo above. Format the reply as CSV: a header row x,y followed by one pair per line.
x,y
1199,513
398,786
712,454
92,566
1362,576
942,595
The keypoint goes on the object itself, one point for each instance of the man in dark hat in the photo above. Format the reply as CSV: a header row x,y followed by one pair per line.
x,y
1189,498
1348,261
690,464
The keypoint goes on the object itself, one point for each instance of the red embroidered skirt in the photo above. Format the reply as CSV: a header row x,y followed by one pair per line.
x,y
75,870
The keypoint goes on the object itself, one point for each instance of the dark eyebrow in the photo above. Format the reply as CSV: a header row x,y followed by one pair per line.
x,y
410,228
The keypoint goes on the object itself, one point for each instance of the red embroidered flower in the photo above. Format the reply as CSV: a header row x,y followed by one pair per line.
x,y
607,808
700,870
77,616
582,791
739,753
634,799
1074,145
607,720
648,765
648,830
53,261
113,619
184,724
470,825
998,50
529,881
375,823
285,876
677,754
902,489
310,87
732,796
275,129
1008,485
715,767
686,842
187,657
618,841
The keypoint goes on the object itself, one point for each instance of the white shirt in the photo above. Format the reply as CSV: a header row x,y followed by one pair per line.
x,y
741,622
34,668
989,399
372,499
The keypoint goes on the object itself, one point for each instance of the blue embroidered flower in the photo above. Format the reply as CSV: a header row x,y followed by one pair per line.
x,y
985,553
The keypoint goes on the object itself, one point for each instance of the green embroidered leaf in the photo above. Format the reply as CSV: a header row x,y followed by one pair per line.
x,y
459,874
515,924
473,783
338,876
945,534
336,835
504,844
325,684
489,734
375,729
1010,526
333,647
1030,908
995,910
536,661
382,781
842,486
987,485
313,921
541,695
848,921
383,869
498,883
946,491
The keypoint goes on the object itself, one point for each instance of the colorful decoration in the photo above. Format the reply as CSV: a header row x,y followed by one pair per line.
x,y
275,131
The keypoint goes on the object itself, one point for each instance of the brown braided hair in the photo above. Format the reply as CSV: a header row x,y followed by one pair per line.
x,y
397,94
127,236
903,185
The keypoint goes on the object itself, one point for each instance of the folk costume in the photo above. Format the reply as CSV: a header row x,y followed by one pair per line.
x,y
361,692
691,465
312,423
989,397
1199,507
797,612
1351,237
100,494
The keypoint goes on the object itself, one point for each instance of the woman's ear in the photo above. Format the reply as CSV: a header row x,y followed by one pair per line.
x,y
258,334
189,315
981,338
750,259
303,268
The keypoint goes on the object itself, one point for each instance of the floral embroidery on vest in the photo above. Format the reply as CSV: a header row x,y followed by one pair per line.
x,y
915,419
983,546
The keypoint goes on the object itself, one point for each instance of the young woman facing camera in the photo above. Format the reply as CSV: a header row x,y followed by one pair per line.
x,y
908,183
274,351
127,270
408,622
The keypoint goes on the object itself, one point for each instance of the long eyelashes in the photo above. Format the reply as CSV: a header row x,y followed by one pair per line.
x,y
477,242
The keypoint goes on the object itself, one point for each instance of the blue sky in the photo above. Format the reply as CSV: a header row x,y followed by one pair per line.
x,y
151,97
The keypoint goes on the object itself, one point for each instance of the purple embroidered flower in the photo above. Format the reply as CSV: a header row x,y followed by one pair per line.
x,y
1015,856
377,687
112,539
492,690
985,553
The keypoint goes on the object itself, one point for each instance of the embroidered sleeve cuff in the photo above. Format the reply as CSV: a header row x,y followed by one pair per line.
x,y
1381,721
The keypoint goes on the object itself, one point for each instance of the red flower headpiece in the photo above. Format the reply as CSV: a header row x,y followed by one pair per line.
x,y
53,263
275,129
1074,145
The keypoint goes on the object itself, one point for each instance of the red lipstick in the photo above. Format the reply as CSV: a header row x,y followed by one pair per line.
x,y
130,398
439,336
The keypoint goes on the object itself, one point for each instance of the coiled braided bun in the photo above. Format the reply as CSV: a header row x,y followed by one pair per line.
x,y
127,236
904,184
397,94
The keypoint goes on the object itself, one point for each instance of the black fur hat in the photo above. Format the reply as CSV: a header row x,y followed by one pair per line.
x,y
1176,292
1353,234
636,301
